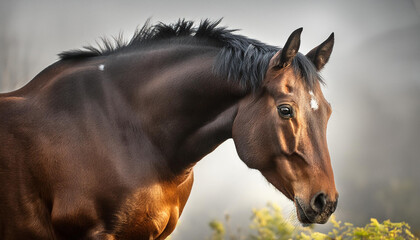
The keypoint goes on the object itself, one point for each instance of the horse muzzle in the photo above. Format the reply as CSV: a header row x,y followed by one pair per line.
x,y
318,210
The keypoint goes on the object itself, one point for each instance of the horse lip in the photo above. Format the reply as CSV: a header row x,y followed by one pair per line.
x,y
302,217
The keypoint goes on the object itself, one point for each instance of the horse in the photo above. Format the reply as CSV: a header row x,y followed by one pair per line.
x,y
102,143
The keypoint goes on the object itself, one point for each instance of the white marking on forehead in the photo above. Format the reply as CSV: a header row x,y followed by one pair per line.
x,y
314,103
101,67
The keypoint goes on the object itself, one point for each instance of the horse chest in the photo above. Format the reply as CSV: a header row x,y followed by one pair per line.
x,y
152,212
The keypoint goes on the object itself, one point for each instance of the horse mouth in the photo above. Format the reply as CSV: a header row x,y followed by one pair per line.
x,y
302,217
307,217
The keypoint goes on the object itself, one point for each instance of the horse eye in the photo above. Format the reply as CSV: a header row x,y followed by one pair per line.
x,y
285,111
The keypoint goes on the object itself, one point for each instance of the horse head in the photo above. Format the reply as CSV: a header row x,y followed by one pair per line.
x,y
280,129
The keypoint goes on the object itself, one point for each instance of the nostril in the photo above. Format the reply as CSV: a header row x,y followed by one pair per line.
x,y
318,202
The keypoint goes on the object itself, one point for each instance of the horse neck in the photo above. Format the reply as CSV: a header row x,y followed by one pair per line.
x,y
185,110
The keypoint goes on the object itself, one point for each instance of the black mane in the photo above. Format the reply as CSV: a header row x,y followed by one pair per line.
x,y
240,58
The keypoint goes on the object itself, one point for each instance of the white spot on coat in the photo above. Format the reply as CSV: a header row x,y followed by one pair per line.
x,y
314,103
101,67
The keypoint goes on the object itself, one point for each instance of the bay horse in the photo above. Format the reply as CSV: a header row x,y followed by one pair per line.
x,y
102,143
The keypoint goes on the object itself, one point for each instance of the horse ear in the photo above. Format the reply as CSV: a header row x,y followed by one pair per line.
x,y
285,56
321,54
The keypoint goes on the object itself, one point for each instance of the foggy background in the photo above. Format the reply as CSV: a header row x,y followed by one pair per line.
x,y
373,84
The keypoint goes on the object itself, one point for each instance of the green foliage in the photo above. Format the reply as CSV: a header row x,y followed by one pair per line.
x,y
269,224
373,230
218,230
